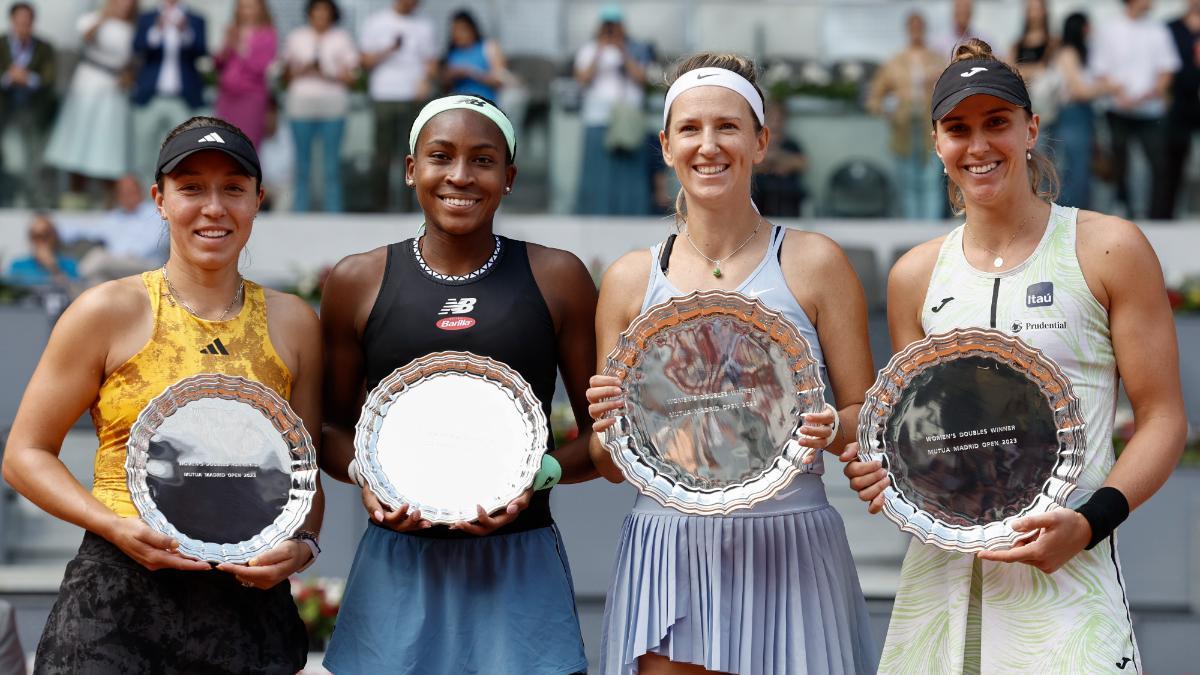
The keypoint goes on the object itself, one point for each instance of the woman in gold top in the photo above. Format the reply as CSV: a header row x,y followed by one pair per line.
x,y
130,602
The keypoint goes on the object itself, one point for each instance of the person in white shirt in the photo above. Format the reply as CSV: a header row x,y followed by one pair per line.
x,y
1134,55
132,235
168,88
961,31
398,49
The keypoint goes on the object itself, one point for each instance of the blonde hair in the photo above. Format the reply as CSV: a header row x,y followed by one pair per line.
x,y
731,62
1043,176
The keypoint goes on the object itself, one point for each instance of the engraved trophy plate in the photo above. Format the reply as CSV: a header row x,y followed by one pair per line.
x,y
223,465
714,385
448,432
975,429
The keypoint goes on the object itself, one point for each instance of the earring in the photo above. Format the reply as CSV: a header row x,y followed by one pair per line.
x,y
1028,155
944,172
507,189
408,182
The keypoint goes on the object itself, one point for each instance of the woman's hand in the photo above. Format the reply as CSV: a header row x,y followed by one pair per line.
x,y
152,550
486,524
868,479
271,567
604,395
1057,537
400,520
817,432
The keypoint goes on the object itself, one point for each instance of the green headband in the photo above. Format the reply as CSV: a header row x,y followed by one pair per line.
x,y
441,105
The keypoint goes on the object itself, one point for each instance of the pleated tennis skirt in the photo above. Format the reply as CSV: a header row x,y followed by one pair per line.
x,y
769,590
421,606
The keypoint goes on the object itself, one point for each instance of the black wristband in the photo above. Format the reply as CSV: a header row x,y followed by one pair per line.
x,y
1107,509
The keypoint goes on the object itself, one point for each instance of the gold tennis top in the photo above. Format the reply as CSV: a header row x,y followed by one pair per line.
x,y
181,345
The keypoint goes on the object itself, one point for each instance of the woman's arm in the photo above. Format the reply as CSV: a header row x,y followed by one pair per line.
x,y
820,276
621,294
497,66
65,383
571,295
907,284
1125,277
296,334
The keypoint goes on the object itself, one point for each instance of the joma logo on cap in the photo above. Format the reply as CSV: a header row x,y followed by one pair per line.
x,y
974,71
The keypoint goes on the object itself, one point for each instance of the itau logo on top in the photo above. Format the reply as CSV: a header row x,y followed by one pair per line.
x,y
1040,294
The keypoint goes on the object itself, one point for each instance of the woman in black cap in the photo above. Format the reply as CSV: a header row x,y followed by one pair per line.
x,y
130,602
1084,288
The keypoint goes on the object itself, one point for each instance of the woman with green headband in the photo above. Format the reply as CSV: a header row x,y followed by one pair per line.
x,y
437,599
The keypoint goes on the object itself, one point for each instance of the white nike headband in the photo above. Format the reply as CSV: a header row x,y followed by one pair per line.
x,y
715,77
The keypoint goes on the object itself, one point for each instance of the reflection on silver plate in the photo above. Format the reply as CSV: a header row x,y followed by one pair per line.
x,y
448,432
714,384
223,465
976,429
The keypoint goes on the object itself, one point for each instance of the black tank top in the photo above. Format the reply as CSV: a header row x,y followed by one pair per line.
x,y
497,312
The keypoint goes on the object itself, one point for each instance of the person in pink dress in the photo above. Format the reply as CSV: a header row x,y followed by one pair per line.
x,y
249,49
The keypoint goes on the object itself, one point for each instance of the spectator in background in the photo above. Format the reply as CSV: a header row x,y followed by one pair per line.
x,y
1183,118
901,91
249,49
278,158
130,238
778,181
401,55
46,265
1031,52
320,61
1135,57
961,31
168,88
91,137
472,65
1073,131
611,69
26,104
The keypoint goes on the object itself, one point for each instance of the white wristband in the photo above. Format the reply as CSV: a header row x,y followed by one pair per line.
x,y
354,474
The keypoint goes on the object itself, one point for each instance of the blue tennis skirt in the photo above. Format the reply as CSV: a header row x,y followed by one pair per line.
x,y
769,590
502,604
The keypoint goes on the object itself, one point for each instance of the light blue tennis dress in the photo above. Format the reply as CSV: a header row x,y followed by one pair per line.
x,y
770,589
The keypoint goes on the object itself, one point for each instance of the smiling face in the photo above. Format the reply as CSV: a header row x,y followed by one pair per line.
x,y
210,204
983,143
713,143
459,170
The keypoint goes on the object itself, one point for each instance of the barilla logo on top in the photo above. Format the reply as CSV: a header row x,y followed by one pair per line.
x,y
1040,294
455,323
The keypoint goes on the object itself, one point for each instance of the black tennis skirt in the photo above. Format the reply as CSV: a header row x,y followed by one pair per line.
x,y
115,616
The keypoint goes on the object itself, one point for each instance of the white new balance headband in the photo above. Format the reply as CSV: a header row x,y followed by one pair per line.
x,y
464,102
715,77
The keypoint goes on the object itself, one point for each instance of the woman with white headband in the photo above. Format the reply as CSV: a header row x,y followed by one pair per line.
x,y
769,589
493,595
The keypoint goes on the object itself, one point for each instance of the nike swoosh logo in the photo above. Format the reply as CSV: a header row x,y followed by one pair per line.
x,y
701,77
755,294
937,309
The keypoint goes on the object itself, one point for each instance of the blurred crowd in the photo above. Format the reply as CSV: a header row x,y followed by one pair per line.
x,y
1100,91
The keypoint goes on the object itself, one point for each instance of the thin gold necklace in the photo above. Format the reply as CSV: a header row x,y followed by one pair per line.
x,y
179,299
998,261
716,272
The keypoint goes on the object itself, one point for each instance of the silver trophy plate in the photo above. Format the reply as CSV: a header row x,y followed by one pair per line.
x,y
975,429
449,432
715,384
223,465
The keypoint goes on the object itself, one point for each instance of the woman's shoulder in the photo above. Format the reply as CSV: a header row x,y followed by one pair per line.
x,y
111,305
358,271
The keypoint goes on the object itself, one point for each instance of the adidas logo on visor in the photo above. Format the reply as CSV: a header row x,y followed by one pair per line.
x,y
212,138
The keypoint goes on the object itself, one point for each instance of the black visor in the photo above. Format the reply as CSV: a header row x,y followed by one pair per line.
x,y
199,139
977,76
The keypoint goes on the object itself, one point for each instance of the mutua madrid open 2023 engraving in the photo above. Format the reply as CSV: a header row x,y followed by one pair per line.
x,y
222,464
975,429
715,384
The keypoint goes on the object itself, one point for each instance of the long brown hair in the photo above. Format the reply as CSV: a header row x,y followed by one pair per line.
x,y
731,62
264,14
1043,177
